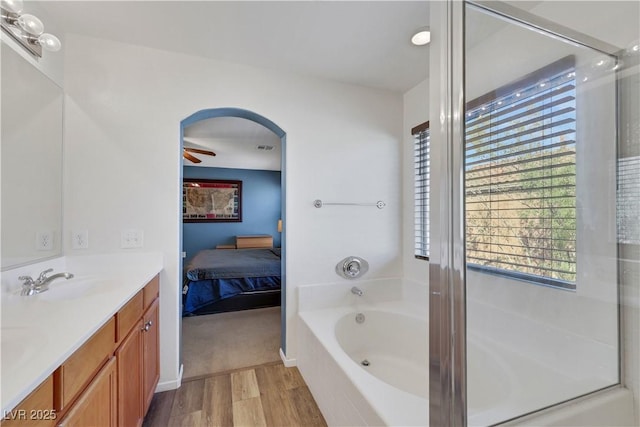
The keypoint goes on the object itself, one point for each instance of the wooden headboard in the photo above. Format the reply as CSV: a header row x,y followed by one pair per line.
x,y
256,241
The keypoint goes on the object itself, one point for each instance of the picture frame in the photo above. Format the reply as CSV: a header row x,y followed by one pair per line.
x,y
211,200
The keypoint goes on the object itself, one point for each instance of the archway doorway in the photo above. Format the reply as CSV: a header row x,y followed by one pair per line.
x,y
254,121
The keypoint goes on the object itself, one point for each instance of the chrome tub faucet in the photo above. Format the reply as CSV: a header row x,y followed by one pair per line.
x,y
356,291
41,284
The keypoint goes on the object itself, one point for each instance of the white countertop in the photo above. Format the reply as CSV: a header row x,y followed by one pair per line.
x,y
38,333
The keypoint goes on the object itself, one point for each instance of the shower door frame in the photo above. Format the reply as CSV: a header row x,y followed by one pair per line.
x,y
447,268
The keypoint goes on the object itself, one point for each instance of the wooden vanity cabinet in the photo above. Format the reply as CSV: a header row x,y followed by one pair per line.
x,y
109,381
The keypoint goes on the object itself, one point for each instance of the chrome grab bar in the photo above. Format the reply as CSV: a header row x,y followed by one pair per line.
x,y
319,203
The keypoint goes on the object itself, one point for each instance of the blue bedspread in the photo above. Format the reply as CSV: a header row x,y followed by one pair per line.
x,y
234,263
200,293
217,274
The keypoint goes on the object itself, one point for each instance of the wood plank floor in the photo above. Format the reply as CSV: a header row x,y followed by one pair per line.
x,y
265,395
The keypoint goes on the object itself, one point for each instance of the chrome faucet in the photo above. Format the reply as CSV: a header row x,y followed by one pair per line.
x,y
41,284
356,291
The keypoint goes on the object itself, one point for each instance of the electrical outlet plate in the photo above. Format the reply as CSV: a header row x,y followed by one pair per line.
x,y
131,239
79,239
44,240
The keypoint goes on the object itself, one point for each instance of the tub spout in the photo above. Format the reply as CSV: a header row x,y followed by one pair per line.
x,y
356,291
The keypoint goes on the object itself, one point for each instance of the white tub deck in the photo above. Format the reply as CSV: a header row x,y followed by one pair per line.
x,y
353,396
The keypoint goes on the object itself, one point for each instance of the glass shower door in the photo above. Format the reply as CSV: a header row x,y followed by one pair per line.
x,y
540,187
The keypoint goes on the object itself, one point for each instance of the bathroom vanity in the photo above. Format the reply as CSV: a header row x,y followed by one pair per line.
x,y
86,351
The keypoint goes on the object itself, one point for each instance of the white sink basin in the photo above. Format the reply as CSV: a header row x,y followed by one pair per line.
x,y
69,289
74,288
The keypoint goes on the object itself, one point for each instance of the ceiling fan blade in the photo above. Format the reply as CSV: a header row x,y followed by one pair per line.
x,y
197,150
190,157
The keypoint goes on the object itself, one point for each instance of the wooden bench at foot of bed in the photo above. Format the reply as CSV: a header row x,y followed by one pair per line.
x,y
256,241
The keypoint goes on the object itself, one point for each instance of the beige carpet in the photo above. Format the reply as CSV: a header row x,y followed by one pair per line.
x,y
221,342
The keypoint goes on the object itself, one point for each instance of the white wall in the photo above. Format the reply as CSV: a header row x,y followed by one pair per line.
x,y
123,109
416,111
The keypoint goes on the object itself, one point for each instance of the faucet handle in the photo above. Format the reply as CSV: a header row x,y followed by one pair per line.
x,y
28,280
43,275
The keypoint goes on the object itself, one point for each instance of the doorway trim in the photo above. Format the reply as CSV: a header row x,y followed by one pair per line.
x,y
280,133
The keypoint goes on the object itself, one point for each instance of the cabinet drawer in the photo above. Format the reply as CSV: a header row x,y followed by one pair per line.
x,y
78,370
151,292
36,410
128,316
97,406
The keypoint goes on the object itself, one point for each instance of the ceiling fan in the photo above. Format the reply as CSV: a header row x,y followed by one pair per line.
x,y
186,153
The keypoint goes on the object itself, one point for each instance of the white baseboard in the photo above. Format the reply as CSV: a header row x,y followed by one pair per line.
x,y
170,385
287,362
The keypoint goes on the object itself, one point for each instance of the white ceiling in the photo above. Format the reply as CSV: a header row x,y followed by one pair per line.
x,y
235,141
358,42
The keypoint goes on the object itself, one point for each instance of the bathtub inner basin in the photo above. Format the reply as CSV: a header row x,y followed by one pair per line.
x,y
393,346
395,349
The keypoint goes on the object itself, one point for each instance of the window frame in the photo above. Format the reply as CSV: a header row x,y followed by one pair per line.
x,y
562,65
416,132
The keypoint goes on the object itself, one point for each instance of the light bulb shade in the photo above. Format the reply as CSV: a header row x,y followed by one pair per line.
x,y
13,6
31,24
421,38
49,42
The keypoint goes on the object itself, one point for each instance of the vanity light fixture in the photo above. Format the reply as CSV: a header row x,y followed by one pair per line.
x,y
26,29
421,37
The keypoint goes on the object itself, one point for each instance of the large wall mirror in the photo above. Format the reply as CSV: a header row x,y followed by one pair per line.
x,y
31,152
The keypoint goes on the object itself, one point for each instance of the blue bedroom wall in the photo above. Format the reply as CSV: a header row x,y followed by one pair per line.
x,y
261,209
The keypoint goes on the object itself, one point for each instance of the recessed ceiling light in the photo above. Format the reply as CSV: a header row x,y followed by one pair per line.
x,y
421,37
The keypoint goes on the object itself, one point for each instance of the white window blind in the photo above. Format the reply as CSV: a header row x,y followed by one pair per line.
x,y
421,190
628,200
520,178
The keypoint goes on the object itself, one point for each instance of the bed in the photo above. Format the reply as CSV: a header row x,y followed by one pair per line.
x,y
245,277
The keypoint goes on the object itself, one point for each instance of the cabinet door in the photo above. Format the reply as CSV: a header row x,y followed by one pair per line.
x,y
97,405
129,357
150,354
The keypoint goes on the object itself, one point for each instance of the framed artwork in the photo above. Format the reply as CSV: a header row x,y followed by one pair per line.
x,y
211,200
